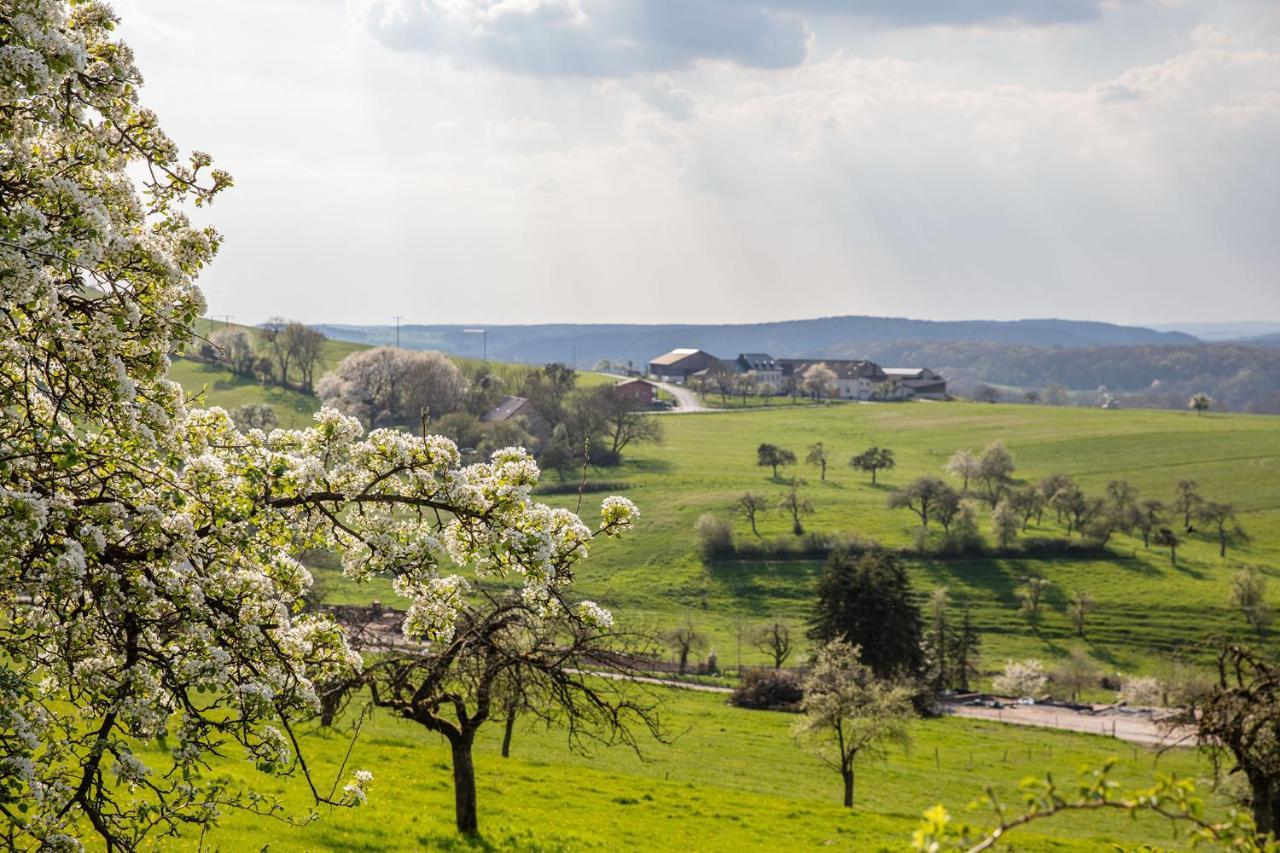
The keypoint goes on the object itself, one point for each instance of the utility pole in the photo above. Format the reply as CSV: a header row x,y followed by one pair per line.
x,y
484,340
226,321
398,319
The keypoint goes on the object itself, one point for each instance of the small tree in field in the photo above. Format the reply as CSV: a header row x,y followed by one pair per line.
x,y
774,640
796,505
818,456
1079,606
1200,403
1166,538
1006,524
874,459
1031,595
995,471
687,640
1188,501
772,456
751,506
847,712
1150,516
1221,520
922,496
1075,674
963,464
1249,595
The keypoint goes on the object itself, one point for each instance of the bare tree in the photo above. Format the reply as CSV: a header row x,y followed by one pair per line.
x,y
796,505
1079,606
1188,500
1150,517
235,349
1221,520
774,640
751,506
687,640
818,456
847,711
1236,720
454,687
277,347
306,346
623,420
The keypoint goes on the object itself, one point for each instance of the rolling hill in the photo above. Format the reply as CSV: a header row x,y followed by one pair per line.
x,y
827,336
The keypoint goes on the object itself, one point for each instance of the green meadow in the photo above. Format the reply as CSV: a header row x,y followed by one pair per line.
x,y
1147,608
733,779
728,780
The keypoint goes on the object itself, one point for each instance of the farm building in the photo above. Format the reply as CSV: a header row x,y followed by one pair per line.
x,y
679,364
922,381
636,390
855,379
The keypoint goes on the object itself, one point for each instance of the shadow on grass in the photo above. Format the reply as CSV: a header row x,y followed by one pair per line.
x,y
643,466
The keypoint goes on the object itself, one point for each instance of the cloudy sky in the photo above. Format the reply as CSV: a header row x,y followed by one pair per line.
x,y
730,160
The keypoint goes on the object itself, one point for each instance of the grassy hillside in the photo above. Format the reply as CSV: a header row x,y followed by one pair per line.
x,y
731,780
215,386
1147,608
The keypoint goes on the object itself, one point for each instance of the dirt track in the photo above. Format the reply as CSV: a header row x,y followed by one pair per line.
x,y
1135,728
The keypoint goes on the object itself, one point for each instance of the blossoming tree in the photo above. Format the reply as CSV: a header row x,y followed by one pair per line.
x,y
149,594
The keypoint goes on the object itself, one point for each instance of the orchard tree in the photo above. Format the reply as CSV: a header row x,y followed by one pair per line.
x,y
963,464
1249,595
149,581
775,641
820,381
1031,594
687,640
1006,524
507,656
1221,520
922,496
818,456
796,505
772,456
995,471
874,459
751,506
1187,502
235,349
847,711
1151,515
1200,403
386,386
1166,538
1079,606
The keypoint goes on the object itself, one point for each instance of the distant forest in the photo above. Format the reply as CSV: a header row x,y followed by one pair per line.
x,y
1239,378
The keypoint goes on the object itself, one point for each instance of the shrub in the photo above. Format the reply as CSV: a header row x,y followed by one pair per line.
x,y
572,488
714,537
1021,678
768,690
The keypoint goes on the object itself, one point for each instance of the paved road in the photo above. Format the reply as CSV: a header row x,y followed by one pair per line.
x,y
686,400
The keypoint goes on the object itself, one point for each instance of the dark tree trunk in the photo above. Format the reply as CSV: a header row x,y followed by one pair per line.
x,y
464,785
1265,803
848,787
684,660
506,733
